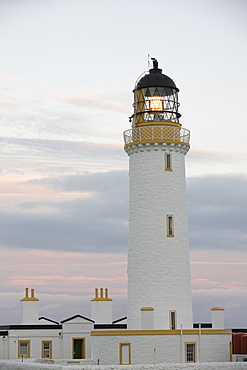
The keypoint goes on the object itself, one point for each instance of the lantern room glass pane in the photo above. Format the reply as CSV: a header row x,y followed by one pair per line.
x,y
156,104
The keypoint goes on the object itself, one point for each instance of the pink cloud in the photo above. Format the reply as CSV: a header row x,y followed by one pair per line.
x,y
63,280
63,271
214,269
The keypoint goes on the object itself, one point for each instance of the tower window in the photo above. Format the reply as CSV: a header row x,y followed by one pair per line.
x,y
173,319
168,162
170,225
190,352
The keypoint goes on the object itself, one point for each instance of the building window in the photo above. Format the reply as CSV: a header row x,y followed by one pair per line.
x,y
23,348
47,349
172,319
170,225
168,162
125,355
190,352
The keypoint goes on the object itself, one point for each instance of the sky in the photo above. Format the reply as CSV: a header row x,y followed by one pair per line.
x,y
68,68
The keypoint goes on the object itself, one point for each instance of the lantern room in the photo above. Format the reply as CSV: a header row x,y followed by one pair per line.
x,y
156,116
155,99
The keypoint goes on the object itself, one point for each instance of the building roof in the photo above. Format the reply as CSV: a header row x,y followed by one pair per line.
x,y
30,327
46,319
75,316
118,320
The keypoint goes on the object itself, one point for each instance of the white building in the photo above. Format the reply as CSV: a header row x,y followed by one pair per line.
x,y
160,326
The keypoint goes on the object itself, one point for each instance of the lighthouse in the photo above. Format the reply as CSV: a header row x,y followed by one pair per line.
x,y
159,290
159,326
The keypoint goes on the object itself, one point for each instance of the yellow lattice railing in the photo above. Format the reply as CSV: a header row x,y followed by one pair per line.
x,y
157,134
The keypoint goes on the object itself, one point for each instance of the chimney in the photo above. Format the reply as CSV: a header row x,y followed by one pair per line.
x,y
218,318
147,318
101,307
29,308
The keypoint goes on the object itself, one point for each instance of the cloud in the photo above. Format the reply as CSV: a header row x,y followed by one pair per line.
x,y
104,102
57,148
38,117
217,208
113,181
57,306
203,156
89,212
40,158
64,282
218,278
95,222
201,162
232,300
35,109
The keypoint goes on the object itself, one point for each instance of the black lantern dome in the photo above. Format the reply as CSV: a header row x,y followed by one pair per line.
x,y
156,78
156,98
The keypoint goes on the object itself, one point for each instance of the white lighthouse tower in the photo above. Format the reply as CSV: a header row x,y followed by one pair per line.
x,y
159,292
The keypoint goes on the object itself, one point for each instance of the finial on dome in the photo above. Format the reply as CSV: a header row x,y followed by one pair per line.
x,y
155,63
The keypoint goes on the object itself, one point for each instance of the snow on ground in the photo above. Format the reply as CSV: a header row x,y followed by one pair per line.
x,y
9,365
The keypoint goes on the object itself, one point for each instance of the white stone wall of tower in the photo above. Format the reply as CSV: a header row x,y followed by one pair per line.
x,y
158,266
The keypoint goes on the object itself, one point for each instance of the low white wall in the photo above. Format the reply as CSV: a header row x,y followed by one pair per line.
x,y
8,365
35,337
155,349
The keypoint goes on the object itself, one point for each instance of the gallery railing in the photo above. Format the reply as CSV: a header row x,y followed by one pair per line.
x,y
157,134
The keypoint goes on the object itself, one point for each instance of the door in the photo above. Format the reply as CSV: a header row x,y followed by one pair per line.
x,y
78,348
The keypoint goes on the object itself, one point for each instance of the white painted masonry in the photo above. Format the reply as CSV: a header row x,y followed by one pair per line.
x,y
101,307
147,318
76,328
29,308
149,347
35,339
158,266
218,317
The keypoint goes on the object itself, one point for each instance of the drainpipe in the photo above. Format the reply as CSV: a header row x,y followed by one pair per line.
x,y
181,344
199,343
